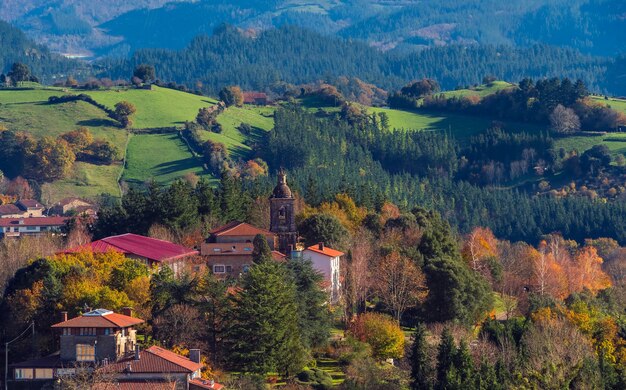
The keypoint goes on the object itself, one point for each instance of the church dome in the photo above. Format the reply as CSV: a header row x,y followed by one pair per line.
x,y
282,190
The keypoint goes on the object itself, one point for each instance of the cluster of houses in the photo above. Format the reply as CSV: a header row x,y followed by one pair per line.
x,y
108,341
29,217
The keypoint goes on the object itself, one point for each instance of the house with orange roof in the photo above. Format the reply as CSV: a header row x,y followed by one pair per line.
x,y
327,261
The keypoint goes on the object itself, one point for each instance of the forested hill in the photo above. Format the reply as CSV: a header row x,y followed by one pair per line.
x,y
296,55
16,47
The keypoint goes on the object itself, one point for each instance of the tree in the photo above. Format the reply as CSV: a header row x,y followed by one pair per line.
x,y
480,245
103,151
445,358
123,111
231,96
78,139
420,88
49,159
267,304
421,369
382,333
399,284
323,228
261,251
212,300
358,266
145,73
564,120
179,325
19,72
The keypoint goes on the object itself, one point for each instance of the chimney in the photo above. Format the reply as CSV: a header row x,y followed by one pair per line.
x,y
194,355
320,246
137,354
127,311
63,316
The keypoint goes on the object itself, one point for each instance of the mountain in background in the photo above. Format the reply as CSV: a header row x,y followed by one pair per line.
x,y
120,27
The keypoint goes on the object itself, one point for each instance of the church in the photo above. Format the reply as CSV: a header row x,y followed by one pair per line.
x,y
228,249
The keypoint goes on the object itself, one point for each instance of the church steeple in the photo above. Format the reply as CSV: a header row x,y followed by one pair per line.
x,y
282,214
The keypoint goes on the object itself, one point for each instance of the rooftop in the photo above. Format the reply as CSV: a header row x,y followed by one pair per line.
x,y
236,228
8,209
135,385
31,204
204,384
33,221
99,318
154,360
134,244
317,248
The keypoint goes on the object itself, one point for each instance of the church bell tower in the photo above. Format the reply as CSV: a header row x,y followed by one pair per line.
x,y
282,215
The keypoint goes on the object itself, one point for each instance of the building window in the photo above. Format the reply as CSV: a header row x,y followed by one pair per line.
x,y
67,331
229,268
43,373
23,373
219,269
217,250
246,267
87,331
247,249
31,227
85,353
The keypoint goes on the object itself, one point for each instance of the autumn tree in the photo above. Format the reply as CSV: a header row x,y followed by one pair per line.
x,y
382,333
48,159
564,120
400,284
586,271
78,139
123,111
479,246
357,265
231,96
179,325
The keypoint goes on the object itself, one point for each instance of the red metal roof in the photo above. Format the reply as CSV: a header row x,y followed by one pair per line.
x,y
94,319
141,246
236,228
33,221
154,360
325,251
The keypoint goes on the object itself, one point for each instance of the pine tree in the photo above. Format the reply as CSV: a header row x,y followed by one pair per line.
x,y
445,359
207,203
420,364
264,334
463,364
261,251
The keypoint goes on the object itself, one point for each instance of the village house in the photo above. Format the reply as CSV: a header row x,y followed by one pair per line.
x,y
73,206
105,343
256,98
151,251
228,249
25,208
16,227
327,261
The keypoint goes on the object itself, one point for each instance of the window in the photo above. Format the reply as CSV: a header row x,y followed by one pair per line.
x,y
246,267
87,331
67,331
23,373
31,227
219,269
247,249
229,268
43,373
85,353
217,250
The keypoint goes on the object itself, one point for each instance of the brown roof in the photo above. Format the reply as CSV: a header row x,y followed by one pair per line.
x,y
33,221
31,204
154,360
8,209
277,256
325,251
50,361
250,97
99,318
135,385
236,228
204,384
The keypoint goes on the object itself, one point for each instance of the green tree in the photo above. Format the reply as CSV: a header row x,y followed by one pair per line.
x,y
231,96
264,335
323,228
207,202
145,72
445,358
19,72
421,369
314,314
233,201
261,251
179,206
464,365
103,151
213,303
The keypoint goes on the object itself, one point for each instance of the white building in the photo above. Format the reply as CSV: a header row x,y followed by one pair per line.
x,y
326,261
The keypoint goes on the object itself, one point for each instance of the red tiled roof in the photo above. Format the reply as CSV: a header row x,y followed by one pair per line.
x,y
326,251
31,203
204,384
105,320
33,221
277,256
154,360
236,228
7,209
135,385
134,244
250,97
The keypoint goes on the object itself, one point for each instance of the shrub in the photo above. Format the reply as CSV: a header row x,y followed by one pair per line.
x,y
382,333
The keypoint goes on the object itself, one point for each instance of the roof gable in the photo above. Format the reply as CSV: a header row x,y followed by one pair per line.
x,y
236,228
325,251
99,318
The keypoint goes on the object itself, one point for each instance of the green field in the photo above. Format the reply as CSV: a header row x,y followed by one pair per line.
x,y
616,104
616,142
162,157
260,118
158,107
481,90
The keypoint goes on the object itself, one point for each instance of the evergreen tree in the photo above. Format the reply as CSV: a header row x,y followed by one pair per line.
x,y
445,359
207,202
264,334
261,251
314,315
179,206
464,365
232,199
420,362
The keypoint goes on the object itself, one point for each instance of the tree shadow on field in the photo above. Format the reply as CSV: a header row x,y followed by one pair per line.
x,y
169,167
97,123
